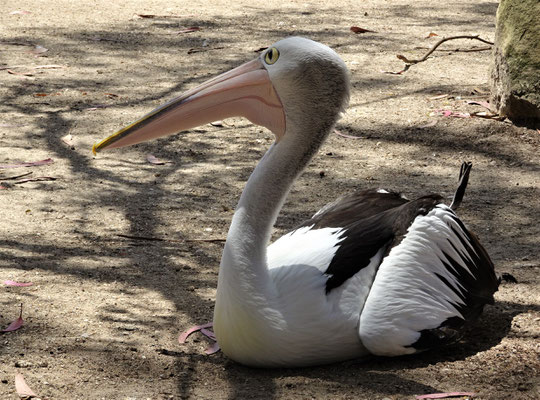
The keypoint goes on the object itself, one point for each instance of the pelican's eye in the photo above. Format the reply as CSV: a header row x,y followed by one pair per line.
x,y
271,56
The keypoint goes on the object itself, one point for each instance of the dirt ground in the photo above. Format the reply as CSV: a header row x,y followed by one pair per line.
x,y
104,312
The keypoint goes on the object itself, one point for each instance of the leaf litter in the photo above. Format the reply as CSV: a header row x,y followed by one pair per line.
x,y
23,390
15,324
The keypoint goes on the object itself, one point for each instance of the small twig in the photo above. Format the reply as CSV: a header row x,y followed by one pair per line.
x,y
7,178
407,61
472,50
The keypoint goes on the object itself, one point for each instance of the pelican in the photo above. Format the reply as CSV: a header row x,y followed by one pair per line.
x,y
371,273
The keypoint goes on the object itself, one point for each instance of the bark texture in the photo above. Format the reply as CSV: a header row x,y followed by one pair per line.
x,y
515,71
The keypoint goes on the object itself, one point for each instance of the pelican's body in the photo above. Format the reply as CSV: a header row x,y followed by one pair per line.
x,y
372,273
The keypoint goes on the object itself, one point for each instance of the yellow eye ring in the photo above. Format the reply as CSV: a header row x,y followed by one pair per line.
x,y
271,56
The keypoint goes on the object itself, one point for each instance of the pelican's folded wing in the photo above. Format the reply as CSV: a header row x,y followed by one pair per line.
x,y
434,279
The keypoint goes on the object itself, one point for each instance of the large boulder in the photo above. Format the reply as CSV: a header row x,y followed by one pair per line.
x,y
515,71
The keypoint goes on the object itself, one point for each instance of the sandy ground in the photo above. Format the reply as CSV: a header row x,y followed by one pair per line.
x,y
104,312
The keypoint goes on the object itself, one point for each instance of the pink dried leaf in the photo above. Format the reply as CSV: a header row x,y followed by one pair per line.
x,y
28,164
23,390
20,12
484,104
357,29
156,161
14,283
209,334
183,337
444,395
189,30
23,74
15,324
213,349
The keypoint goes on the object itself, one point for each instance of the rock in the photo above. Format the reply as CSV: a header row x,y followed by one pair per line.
x,y
515,69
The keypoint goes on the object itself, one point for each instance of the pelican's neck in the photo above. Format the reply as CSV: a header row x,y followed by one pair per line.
x,y
244,271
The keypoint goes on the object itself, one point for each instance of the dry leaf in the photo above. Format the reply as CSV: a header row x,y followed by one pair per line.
x,y
22,74
346,136
357,29
39,50
156,161
28,164
40,94
96,107
36,179
448,113
444,395
213,349
430,35
15,324
441,96
149,16
20,12
484,104
23,390
14,283
68,139
188,30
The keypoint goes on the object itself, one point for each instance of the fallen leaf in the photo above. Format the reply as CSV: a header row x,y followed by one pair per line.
x,y
96,107
40,94
441,96
149,16
444,395
346,136
188,30
39,50
50,66
154,160
430,35
357,29
183,337
14,283
68,139
448,113
36,179
15,324
20,12
23,390
213,349
28,164
481,103
111,95
22,74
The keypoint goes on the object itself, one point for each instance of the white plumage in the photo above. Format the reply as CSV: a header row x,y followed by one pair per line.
x,y
371,273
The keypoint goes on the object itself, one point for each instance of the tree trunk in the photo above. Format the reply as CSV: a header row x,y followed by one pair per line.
x,y
515,70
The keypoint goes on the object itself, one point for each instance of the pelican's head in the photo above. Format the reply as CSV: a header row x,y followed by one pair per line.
x,y
295,83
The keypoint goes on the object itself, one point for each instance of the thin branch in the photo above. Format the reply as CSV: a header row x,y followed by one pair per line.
x,y
424,58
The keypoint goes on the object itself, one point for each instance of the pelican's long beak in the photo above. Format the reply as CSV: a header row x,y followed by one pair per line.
x,y
244,91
